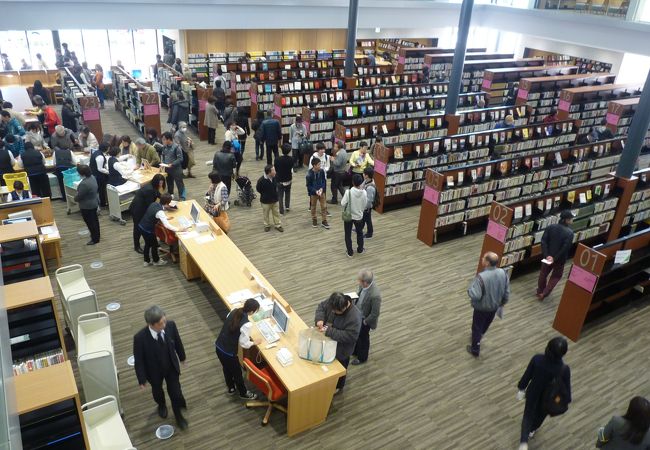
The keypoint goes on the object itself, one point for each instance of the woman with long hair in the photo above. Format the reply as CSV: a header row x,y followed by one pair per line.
x,y
629,432
236,331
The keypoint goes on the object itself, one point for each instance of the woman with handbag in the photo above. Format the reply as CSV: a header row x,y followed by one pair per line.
x,y
217,202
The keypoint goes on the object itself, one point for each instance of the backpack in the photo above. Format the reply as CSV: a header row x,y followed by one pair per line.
x,y
375,200
306,147
555,396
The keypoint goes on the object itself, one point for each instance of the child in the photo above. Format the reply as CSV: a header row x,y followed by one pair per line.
x,y
19,192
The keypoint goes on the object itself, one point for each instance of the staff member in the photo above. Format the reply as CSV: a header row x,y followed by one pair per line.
x,y
34,164
556,243
99,168
114,176
340,320
369,303
87,199
144,197
236,330
172,160
155,212
157,349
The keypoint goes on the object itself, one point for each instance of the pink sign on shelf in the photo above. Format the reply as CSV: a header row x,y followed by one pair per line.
x,y
497,231
401,60
487,84
90,114
277,110
431,195
522,93
564,105
151,110
202,105
253,97
584,279
612,119
380,167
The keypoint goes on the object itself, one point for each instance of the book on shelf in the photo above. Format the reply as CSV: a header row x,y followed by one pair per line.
x,y
38,361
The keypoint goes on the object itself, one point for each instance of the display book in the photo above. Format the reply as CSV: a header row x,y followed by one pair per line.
x,y
137,101
542,94
411,60
510,170
590,103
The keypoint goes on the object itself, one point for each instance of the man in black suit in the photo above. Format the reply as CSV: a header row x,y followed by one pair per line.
x,y
157,349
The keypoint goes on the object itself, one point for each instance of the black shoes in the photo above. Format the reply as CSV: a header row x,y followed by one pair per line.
x,y
469,350
162,411
91,242
182,423
139,250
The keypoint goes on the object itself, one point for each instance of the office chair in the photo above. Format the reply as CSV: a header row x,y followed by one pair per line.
x,y
169,238
267,382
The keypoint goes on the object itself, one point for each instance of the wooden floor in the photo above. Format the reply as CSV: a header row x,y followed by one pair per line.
x,y
420,389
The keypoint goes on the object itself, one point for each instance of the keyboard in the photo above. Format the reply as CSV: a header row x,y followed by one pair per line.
x,y
267,331
184,222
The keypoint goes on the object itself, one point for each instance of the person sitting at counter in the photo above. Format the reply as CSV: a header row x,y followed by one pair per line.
x,y
19,192
8,106
34,163
87,140
11,124
146,152
126,146
114,175
15,145
62,138
35,136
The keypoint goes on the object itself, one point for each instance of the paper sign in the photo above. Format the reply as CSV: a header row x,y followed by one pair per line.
x,y
622,256
487,84
151,110
401,60
497,231
582,278
522,93
380,167
91,114
202,104
612,119
254,97
431,195
277,110
564,105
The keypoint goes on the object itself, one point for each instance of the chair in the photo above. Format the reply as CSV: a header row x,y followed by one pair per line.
x,y
169,238
104,426
268,383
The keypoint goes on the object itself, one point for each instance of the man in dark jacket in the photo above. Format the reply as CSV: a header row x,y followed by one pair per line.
x,y
556,243
69,116
369,303
271,136
316,189
340,320
157,350
224,163
267,186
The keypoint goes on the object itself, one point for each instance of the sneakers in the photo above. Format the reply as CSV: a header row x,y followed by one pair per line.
x,y
531,434
280,229
361,251
349,254
248,396
267,228
231,391
314,223
333,202
523,446
356,362
338,391
147,264
329,214
325,225
161,262
287,209
471,352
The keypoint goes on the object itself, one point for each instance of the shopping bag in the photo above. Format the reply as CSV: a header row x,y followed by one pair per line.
x,y
314,346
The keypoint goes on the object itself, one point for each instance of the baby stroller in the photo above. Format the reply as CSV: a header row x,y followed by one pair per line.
x,y
245,192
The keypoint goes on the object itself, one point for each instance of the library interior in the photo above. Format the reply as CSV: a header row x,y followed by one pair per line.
x,y
159,290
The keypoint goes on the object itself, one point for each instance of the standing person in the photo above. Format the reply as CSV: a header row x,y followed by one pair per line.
x,y
99,167
628,432
257,135
219,95
155,212
172,160
216,202
377,146
316,189
220,80
233,133
325,163
372,61
297,132
339,320
157,349
40,64
242,122
146,152
357,199
87,140
34,164
24,65
542,374
63,159
144,197
6,65
267,187
369,303
236,331
178,65
224,163
7,161
210,121
556,243
271,136
87,199
38,89
98,83
179,111
360,159
154,68
488,292
69,116
339,164
371,191
152,139
185,142
284,176
229,113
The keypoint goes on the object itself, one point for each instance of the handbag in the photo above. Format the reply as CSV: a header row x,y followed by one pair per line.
x,y
347,209
314,346
223,221
236,145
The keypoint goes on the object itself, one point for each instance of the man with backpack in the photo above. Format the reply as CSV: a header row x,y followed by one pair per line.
x,y
230,113
373,200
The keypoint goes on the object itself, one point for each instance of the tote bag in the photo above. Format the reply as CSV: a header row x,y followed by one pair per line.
x,y
347,210
314,346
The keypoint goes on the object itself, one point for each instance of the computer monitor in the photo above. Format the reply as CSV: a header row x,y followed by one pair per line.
x,y
281,317
194,213
136,73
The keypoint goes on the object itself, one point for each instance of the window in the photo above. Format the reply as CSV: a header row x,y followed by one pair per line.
x,y
146,48
40,41
75,42
14,44
121,42
96,45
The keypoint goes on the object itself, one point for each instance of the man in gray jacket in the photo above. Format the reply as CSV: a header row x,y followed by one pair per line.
x,y
369,303
339,166
172,160
340,320
488,292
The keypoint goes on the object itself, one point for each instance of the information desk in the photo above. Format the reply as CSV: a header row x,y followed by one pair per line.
x,y
310,386
120,197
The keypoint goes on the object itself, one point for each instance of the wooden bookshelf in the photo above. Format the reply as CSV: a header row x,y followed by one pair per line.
x,y
411,60
596,286
634,214
49,409
619,115
85,102
585,65
21,252
168,79
137,101
498,82
440,65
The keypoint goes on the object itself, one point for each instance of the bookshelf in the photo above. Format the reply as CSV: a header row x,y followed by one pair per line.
x,y
49,410
21,252
635,193
473,71
542,94
411,60
619,115
597,286
137,101
585,65
590,103
85,102
440,64
199,65
167,78
498,82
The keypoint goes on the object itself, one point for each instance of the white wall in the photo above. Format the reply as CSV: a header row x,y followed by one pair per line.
x,y
634,68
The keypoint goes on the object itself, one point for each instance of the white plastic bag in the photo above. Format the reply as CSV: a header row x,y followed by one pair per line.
x,y
314,346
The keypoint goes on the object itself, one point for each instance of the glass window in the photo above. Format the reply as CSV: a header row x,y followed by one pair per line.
x,y
14,44
146,48
40,41
75,42
96,44
121,42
